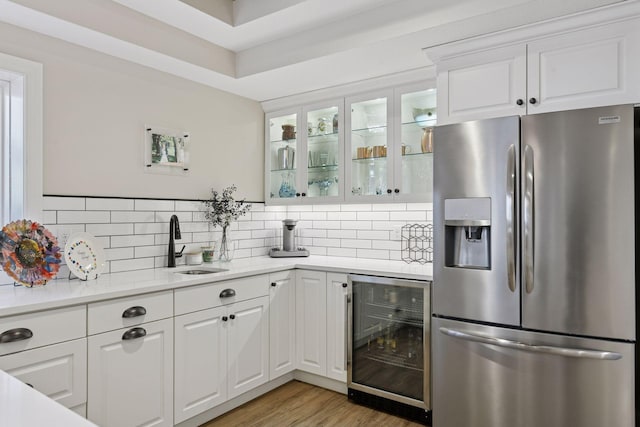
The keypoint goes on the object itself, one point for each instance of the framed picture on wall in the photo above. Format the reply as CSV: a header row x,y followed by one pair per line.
x,y
166,150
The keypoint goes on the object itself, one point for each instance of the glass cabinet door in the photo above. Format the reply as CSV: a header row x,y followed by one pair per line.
x,y
324,151
282,152
370,171
416,110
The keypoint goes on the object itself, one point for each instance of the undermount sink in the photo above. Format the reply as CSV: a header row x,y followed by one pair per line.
x,y
202,271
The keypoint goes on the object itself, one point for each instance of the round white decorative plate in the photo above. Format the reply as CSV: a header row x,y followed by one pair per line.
x,y
84,256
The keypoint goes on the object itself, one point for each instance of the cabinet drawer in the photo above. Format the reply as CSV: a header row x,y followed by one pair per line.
x,y
45,327
130,311
197,298
58,371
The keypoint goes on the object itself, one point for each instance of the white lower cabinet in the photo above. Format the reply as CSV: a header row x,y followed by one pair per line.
x,y
337,294
130,381
58,371
282,323
220,352
321,323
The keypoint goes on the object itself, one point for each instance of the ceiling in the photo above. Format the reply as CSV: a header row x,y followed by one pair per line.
x,y
267,49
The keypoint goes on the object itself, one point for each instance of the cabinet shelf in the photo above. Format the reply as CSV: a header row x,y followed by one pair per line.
x,y
370,159
370,130
283,141
327,137
324,168
284,170
417,154
421,124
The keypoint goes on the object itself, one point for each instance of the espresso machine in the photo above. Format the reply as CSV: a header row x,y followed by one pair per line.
x,y
289,245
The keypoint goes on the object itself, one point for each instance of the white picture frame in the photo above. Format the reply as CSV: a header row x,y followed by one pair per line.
x,y
166,151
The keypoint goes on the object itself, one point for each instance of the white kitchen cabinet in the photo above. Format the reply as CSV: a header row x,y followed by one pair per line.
x,y
282,323
337,294
304,154
222,346
321,323
130,381
577,69
58,371
200,362
388,148
311,321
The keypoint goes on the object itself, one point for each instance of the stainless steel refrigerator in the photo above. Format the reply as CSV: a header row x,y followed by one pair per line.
x,y
534,295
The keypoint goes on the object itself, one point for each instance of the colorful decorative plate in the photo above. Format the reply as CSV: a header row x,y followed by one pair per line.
x,y
84,256
29,253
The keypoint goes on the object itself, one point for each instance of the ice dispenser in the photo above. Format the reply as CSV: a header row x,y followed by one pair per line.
x,y
467,224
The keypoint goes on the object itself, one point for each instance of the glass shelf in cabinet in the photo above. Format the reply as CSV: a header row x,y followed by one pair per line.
x,y
421,123
371,129
323,168
284,170
417,154
285,141
325,137
369,159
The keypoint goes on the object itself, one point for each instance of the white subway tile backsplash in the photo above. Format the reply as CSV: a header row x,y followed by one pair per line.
x,y
105,204
118,253
373,216
63,203
132,216
103,241
109,229
154,205
134,240
49,217
342,216
132,264
356,243
86,217
135,233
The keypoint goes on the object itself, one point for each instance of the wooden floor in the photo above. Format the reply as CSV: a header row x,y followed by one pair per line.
x,y
301,404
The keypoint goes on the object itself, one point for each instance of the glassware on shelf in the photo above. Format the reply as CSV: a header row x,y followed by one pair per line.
x,y
287,189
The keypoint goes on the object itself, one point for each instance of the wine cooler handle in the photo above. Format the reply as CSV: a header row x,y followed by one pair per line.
x,y
510,217
347,301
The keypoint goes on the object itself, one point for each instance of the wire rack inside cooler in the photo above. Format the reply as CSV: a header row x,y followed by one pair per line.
x,y
417,243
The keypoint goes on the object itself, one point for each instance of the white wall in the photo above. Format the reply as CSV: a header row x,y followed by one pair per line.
x,y
95,110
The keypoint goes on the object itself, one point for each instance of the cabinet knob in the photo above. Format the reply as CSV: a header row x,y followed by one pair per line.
x,y
30,385
297,194
274,284
344,285
224,318
520,101
232,316
134,333
304,194
397,190
17,334
389,191
134,312
533,101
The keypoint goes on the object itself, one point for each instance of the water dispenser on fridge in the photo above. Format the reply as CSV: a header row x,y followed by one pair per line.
x,y
467,224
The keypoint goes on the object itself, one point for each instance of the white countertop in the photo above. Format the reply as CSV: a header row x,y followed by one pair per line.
x,y
22,406
64,292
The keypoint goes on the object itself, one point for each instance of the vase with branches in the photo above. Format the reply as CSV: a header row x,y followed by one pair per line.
x,y
220,210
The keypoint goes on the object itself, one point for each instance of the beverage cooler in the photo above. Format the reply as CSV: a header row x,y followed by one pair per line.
x,y
389,345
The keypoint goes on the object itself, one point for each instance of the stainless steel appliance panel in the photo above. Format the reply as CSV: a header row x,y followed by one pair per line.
x,y
479,384
578,260
478,160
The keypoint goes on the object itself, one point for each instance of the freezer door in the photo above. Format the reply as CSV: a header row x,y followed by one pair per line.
x,y
528,379
578,256
475,193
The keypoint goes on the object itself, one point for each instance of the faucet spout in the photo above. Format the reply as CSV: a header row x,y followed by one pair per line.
x,y
174,233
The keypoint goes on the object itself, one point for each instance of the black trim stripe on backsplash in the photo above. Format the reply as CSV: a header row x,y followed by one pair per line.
x,y
137,198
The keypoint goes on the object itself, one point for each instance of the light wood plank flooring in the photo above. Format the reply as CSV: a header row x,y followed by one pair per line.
x,y
301,404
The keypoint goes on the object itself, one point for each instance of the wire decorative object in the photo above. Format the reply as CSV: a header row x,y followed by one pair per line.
x,y
417,243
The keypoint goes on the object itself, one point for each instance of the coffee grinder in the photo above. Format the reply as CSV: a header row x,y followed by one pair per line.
x,y
289,246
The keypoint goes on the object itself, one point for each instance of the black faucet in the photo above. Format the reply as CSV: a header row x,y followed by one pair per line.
x,y
174,232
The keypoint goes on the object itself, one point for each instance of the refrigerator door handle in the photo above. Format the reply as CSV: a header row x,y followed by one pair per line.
x,y
528,218
510,215
558,351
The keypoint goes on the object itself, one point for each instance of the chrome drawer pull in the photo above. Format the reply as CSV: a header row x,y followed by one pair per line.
x,y
17,334
134,312
134,333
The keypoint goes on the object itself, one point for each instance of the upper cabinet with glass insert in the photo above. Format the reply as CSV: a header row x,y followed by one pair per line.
x,y
372,147
390,144
304,154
